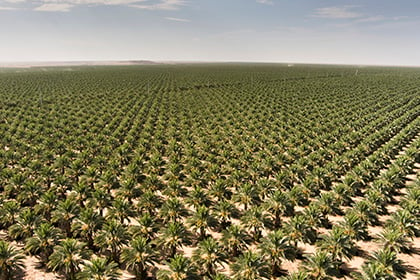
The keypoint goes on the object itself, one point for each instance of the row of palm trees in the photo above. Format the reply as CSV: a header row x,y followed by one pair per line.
x,y
132,179
333,247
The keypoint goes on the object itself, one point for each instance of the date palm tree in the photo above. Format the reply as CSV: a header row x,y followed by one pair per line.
x,y
149,201
172,236
86,225
46,204
172,210
147,227
100,200
384,264
338,244
112,237
278,204
406,222
355,228
179,268
66,211
235,240
138,257
329,204
25,224
208,257
249,266
198,197
45,237
246,195
67,258
366,212
255,220
320,265
121,209
299,275
224,211
315,216
343,193
8,213
11,261
201,220
298,229
394,239
100,269
276,247
219,190
372,271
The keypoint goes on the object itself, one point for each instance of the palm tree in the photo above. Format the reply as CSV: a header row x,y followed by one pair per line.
x,y
249,266
385,263
129,190
81,192
235,240
87,224
9,213
373,271
366,212
299,195
394,239
329,204
180,268
121,209
138,257
255,220
219,276
338,244
275,247
279,204
219,190
315,216
100,200
299,275
172,210
25,224
11,261
46,204
149,201
66,211
172,236
29,193
246,194
201,220
377,198
224,211
320,265
208,256
67,258
406,222
100,269
343,193
147,227
355,228
198,197
298,229
112,237
45,237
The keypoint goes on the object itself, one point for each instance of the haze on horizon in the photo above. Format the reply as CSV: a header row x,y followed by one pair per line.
x,y
379,32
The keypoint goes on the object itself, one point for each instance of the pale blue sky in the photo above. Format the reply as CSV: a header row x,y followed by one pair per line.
x,y
311,31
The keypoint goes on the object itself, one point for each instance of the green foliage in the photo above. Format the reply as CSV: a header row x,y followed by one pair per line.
x,y
11,261
141,163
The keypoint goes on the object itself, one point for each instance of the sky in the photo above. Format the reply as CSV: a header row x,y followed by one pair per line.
x,y
380,32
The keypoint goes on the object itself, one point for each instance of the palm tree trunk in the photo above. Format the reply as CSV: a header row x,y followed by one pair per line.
x,y
202,233
277,220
